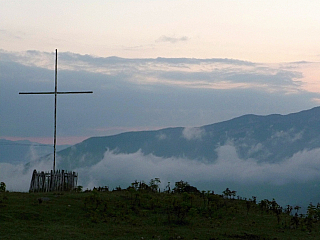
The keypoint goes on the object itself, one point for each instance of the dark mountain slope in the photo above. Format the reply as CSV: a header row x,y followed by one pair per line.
x,y
271,138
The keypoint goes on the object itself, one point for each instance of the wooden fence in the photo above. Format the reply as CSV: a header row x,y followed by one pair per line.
x,y
59,180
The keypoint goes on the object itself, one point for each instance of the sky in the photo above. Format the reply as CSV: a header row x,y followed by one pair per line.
x,y
259,31
153,64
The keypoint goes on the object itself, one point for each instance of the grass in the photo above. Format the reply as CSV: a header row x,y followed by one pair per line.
x,y
132,214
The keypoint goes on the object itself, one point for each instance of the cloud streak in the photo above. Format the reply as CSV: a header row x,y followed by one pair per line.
x,y
10,35
172,39
181,72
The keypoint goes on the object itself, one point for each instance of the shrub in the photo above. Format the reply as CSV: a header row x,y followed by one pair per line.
x,y
181,187
2,187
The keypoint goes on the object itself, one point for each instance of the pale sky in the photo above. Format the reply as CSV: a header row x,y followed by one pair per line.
x,y
242,57
259,31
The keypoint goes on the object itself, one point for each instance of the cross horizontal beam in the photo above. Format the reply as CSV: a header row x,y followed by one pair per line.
x,y
55,105
55,92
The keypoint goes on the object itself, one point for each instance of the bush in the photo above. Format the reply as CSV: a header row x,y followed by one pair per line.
x,y
2,187
181,187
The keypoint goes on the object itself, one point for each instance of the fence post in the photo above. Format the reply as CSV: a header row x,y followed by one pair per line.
x,y
55,180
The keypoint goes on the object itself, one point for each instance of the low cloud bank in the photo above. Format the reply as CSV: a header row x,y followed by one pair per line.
x,y
119,169
122,169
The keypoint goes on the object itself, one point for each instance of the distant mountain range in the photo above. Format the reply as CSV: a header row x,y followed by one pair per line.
x,y
271,138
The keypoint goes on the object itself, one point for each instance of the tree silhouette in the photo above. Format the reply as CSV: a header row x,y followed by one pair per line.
x,y
154,184
227,193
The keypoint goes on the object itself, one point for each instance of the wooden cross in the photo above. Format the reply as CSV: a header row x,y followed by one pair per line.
x,y
55,106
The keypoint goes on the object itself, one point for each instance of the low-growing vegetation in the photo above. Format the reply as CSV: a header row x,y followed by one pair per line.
x,y
2,187
142,211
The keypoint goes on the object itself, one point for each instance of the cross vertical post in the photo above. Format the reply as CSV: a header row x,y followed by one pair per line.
x,y
55,106
55,111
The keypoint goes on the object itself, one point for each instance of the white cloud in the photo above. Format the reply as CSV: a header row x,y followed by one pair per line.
x,y
161,136
18,177
301,167
255,148
287,136
191,133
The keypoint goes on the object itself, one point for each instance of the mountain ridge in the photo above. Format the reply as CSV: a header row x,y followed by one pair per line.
x,y
254,136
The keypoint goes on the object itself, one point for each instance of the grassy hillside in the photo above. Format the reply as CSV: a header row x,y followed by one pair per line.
x,y
144,213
